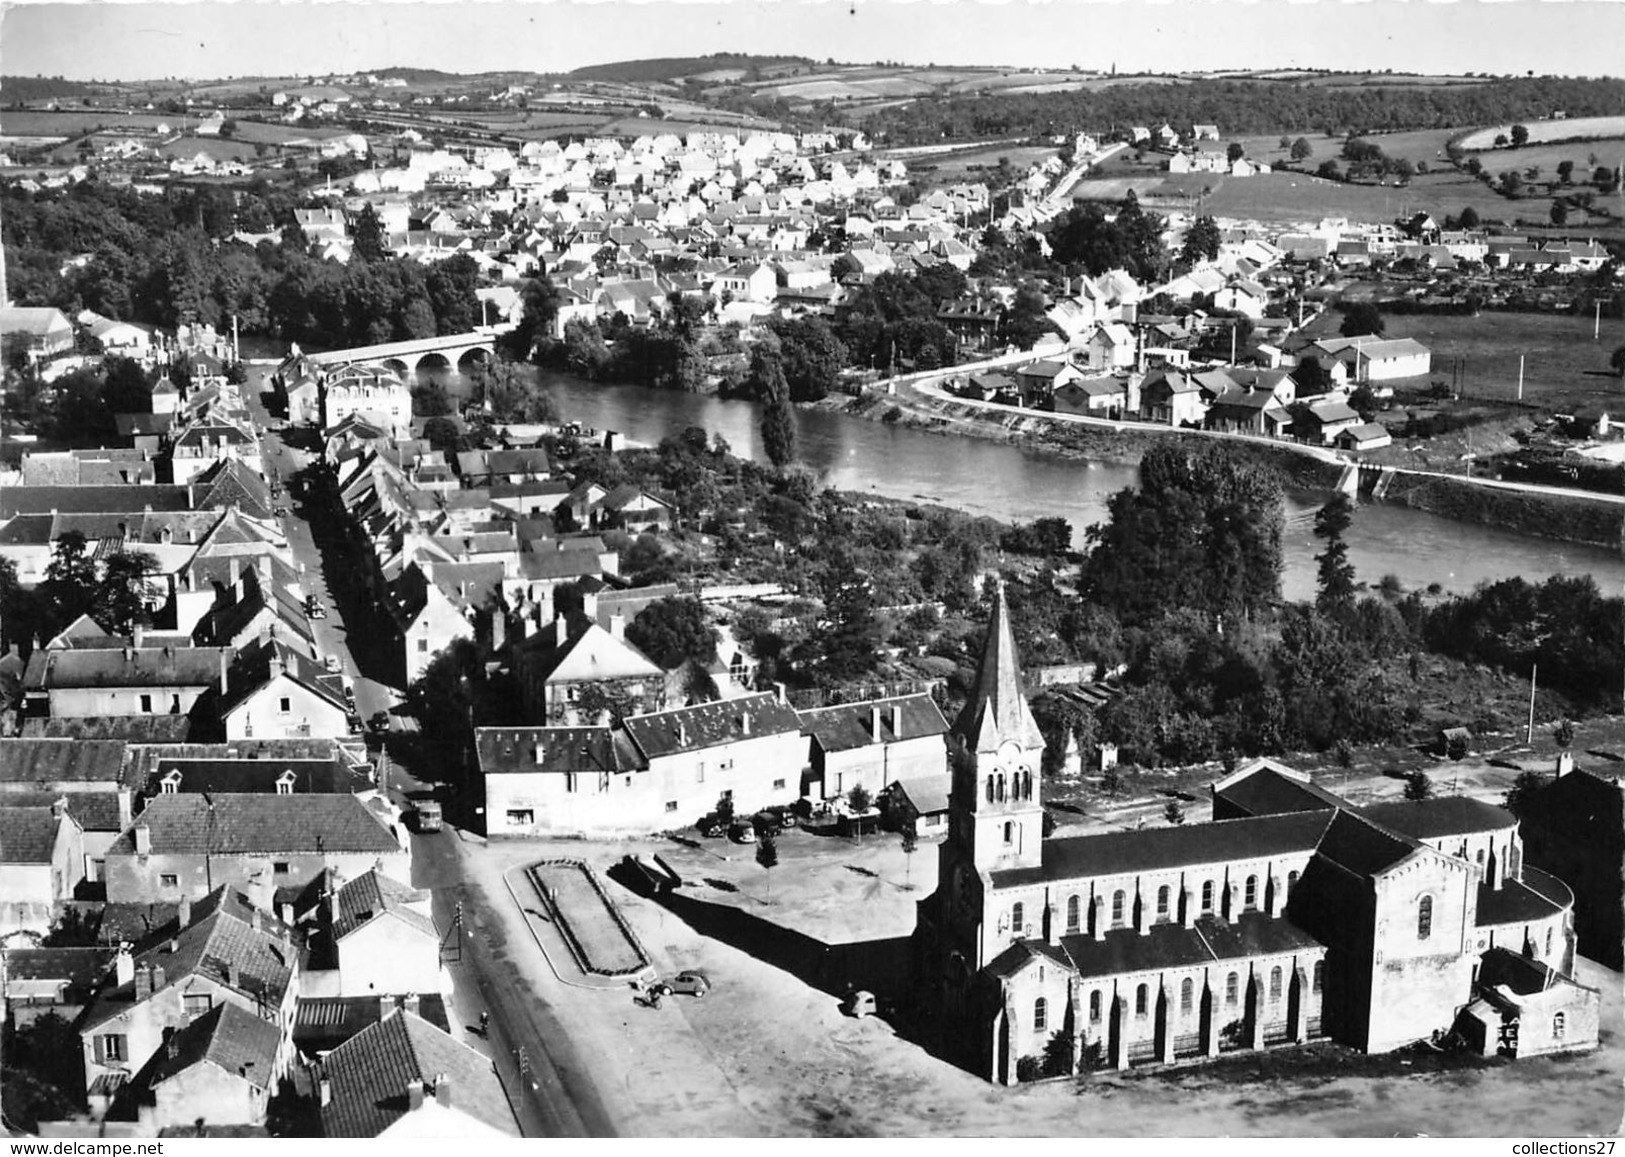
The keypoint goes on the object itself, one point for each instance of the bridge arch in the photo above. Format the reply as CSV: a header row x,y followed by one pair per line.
x,y
433,360
399,366
473,357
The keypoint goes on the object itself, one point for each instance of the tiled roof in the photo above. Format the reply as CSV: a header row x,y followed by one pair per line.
x,y
589,653
1267,791
27,835
1360,846
369,1075
853,725
1175,946
1428,819
43,761
142,667
373,894
239,1042
321,1023
92,499
1536,897
260,775
710,725
528,750
93,811
928,793
258,825
81,968
220,942
128,728
1155,849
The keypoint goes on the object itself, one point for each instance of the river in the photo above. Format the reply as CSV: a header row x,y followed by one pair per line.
x,y
1016,484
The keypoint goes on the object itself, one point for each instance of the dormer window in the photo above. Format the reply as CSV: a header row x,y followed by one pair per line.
x,y
171,783
284,783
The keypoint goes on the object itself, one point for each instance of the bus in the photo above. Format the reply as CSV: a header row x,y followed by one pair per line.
x,y
428,815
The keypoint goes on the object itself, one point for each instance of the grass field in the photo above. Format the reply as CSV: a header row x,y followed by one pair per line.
x,y
1563,366
1607,150
1587,127
77,122
955,167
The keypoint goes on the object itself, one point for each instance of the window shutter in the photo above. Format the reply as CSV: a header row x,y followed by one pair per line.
x,y
99,1043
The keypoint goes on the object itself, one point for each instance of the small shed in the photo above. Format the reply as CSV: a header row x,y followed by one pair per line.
x,y
1455,742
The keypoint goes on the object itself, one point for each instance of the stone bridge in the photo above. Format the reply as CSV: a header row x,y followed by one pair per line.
x,y
452,351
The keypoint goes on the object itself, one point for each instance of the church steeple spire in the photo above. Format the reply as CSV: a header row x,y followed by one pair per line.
x,y
997,710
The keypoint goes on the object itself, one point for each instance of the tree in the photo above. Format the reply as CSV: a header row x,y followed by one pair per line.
x,y
910,844
1361,318
767,855
1302,150
1234,152
121,595
811,356
1336,573
1363,401
1201,240
725,808
1173,812
1616,361
1027,319
778,422
1563,734
1418,786
430,399
1329,171
1560,212
859,799
1520,136
367,240
673,630
1523,789
1565,172
69,587
1468,218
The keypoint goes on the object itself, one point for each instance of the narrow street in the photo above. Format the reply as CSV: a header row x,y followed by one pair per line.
x,y
549,1095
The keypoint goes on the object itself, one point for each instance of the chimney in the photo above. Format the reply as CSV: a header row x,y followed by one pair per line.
x,y
326,1087
1565,763
561,631
617,625
442,1091
897,721
1142,916
233,975
682,734
158,977
744,723
414,1094
235,571
410,1003
386,1005
143,983
59,808
123,966
143,840
276,665
589,605
139,633
183,912
225,667
784,699
1277,888
1097,911
1187,900
254,919
874,723
287,913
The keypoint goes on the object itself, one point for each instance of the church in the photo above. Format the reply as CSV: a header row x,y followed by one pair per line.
x,y
1292,916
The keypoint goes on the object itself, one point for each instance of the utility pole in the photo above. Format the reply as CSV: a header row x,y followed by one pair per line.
x,y
1596,324
1529,735
1520,377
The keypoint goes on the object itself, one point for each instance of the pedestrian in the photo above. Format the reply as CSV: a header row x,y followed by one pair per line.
x,y
485,1024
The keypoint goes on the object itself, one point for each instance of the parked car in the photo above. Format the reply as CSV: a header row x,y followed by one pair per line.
x,y
314,609
333,663
689,982
379,721
766,824
742,833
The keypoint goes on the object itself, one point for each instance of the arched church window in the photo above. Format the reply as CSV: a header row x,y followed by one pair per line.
x,y
1142,1000
990,789
1207,895
1424,918
1275,984
1094,1006
1026,785
1009,833
1162,902
1251,897
1320,974
1291,886
1001,787
1072,914
1117,908
1187,996
1232,988
1040,1014
1017,911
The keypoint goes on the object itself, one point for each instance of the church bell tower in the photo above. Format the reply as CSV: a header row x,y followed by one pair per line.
x,y
996,815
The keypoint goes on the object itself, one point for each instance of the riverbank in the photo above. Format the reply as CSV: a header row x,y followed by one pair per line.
x,y
1563,517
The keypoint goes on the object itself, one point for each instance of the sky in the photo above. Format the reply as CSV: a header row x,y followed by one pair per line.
x,y
106,40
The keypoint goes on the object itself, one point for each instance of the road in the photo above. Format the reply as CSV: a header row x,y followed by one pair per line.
x,y
551,1098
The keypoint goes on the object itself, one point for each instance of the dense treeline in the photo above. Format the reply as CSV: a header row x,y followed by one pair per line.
x,y
168,260
1256,106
